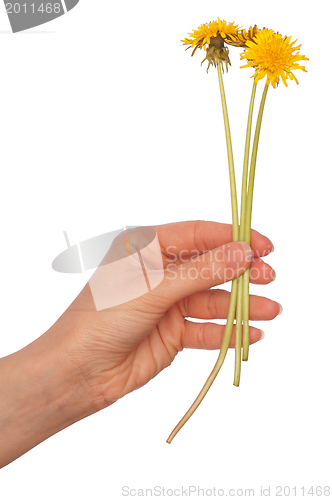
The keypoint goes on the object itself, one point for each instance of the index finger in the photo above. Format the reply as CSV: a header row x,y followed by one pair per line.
x,y
192,238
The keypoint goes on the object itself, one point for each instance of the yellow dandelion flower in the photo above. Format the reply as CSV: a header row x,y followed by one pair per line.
x,y
272,55
211,37
241,37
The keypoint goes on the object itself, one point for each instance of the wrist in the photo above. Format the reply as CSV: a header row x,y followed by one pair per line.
x,y
42,392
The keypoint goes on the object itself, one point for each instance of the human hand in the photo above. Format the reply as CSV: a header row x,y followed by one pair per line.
x,y
90,358
119,349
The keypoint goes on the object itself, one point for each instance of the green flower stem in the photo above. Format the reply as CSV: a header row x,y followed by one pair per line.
x,y
235,217
231,310
239,304
222,354
247,233
245,315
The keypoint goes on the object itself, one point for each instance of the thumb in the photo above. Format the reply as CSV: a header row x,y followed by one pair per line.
x,y
209,269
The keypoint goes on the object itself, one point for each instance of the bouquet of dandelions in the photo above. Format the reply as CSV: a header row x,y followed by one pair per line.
x,y
273,56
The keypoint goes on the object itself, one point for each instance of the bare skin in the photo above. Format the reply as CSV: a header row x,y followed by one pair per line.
x,y
89,359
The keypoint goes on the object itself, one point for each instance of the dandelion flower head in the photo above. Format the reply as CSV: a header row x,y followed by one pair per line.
x,y
241,37
273,56
211,37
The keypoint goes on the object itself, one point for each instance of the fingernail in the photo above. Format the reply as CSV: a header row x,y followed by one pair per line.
x,y
272,250
262,334
273,274
280,309
238,254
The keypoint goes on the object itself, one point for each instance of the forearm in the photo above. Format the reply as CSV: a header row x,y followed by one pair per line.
x,y
41,393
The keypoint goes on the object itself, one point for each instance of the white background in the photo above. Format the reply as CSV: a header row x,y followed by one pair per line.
x,y
106,121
